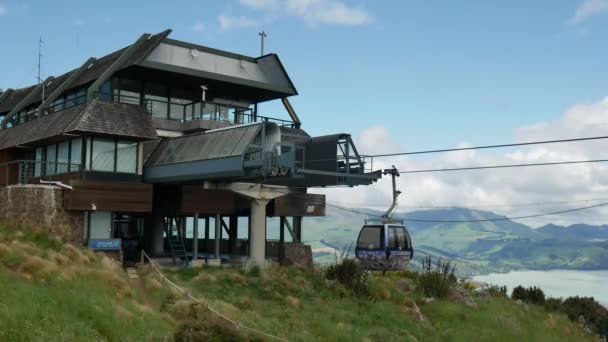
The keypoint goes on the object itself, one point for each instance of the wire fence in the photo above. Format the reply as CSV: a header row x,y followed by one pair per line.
x,y
189,295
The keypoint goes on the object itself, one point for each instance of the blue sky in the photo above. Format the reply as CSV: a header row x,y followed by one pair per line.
x,y
434,73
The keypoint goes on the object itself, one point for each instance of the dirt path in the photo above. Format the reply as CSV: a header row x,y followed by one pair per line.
x,y
138,284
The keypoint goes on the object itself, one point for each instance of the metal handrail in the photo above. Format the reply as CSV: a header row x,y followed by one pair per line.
x,y
237,115
23,171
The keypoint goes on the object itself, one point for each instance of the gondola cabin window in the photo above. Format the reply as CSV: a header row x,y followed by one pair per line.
x,y
397,238
371,238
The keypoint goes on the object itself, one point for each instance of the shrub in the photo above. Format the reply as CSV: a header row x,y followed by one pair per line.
x,y
437,279
532,295
349,273
553,304
497,291
594,314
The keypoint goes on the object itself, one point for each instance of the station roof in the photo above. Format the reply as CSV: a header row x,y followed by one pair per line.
x,y
264,74
98,117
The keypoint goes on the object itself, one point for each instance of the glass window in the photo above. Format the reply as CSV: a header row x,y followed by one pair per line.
x,y
397,238
76,155
157,99
51,158
38,166
100,223
70,100
58,104
63,156
126,154
81,96
370,238
130,91
103,155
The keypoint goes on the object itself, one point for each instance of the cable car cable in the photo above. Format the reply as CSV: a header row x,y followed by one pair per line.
x,y
504,166
480,220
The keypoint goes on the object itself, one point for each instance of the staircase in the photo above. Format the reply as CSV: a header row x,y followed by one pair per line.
x,y
175,238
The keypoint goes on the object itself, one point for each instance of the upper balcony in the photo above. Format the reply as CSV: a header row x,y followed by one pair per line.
x,y
187,115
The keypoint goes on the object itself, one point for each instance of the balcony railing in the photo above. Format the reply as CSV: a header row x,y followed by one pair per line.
x,y
31,171
190,111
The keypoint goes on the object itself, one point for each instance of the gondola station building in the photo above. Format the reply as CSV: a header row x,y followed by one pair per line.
x,y
160,147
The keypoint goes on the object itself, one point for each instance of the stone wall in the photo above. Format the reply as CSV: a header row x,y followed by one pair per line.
x,y
40,206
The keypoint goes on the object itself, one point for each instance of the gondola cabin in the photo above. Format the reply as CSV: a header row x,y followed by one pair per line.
x,y
384,246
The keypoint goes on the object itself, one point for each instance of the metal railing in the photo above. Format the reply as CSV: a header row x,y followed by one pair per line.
x,y
197,110
32,171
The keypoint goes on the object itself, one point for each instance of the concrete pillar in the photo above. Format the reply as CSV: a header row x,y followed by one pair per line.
x,y
257,239
218,228
195,238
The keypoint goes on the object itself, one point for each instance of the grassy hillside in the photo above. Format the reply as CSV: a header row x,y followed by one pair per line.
x,y
51,291
54,292
304,307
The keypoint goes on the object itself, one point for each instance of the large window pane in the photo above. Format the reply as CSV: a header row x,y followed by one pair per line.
x,y
76,155
51,159
103,155
38,166
101,224
370,238
157,98
127,157
63,157
130,91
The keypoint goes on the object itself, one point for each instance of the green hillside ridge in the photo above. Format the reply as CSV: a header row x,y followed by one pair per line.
x,y
478,247
53,291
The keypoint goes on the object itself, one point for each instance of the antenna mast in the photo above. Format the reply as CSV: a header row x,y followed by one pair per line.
x,y
40,42
263,36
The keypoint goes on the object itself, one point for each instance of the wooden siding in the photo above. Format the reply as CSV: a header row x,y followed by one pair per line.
x,y
299,205
8,173
196,199
109,196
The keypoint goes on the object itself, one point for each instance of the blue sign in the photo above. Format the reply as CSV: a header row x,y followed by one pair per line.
x,y
105,244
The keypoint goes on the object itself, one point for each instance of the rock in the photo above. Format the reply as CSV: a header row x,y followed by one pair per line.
x,y
519,302
462,296
296,254
428,300
406,285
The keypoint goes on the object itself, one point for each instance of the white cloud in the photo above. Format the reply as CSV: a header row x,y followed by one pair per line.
x,y
198,27
3,10
231,22
502,186
589,8
314,11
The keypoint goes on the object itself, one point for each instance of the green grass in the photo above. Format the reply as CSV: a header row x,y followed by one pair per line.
x,y
302,307
54,292
78,310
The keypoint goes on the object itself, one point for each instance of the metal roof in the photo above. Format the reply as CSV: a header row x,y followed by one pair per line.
x,y
216,144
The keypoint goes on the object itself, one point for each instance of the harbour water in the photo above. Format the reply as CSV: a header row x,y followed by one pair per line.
x,y
555,283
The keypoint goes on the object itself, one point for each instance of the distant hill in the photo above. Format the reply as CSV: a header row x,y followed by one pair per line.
x,y
579,232
479,247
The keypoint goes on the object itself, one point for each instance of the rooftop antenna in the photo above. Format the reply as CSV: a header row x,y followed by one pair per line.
x,y
263,36
40,42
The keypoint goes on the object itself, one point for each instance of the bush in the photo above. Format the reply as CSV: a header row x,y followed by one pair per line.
x,y
438,279
349,273
594,314
531,295
497,291
553,304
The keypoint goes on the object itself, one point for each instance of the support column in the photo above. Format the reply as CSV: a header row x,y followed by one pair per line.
x,y
233,225
195,238
257,239
297,227
218,229
282,229
207,219
156,236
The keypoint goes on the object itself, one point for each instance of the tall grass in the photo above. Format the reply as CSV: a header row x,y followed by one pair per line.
x,y
437,278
